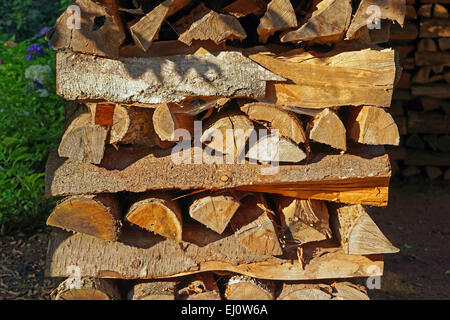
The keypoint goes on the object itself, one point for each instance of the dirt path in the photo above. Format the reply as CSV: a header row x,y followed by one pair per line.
x,y
417,221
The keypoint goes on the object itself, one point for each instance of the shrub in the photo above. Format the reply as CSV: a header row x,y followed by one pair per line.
x,y
31,123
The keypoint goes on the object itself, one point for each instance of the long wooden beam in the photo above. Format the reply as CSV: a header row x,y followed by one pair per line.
x,y
141,255
360,177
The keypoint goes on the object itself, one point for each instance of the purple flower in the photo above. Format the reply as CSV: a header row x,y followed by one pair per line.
x,y
36,48
1,61
29,56
44,31
37,85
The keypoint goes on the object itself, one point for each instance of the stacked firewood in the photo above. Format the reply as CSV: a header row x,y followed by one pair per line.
x,y
220,149
421,105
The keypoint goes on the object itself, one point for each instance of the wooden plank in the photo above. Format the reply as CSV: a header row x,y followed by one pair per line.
x,y
160,79
351,178
348,75
145,256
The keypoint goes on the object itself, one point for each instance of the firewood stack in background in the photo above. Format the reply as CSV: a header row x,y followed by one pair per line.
x,y
222,150
421,105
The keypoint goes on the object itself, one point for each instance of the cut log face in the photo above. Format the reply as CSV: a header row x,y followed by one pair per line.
x,y
142,255
246,288
158,213
146,30
83,140
214,211
254,226
287,123
153,290
303,220
280,15
393,10
87,32
199,287
371,125
349,75
305,291
349,291
243,8
227,132
96,215
167,121
328,129
128,125
216,27
327,24
273,148
358,233
86,289
160,79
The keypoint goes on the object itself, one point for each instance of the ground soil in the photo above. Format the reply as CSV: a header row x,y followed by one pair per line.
x,y
417,221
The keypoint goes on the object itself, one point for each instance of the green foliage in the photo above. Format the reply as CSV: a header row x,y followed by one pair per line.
x,y
23,19
31,124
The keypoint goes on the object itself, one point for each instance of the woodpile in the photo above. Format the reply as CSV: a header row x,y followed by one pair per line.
x,y
421,105
222,149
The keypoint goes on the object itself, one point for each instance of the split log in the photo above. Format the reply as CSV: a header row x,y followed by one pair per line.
x,y
433,172
83,140
347,75
425,11
287,123
128,125
153,290
425,45
327,24
246,288
303,221
254,226
216,27
96,215
227,132
305,291
393,10
280,15
160,79
72,111
444,44
432,58
86,289
349,291
272,148
424,76
358,233
361,177
214,211
158,213
166,121
409,32
440,12
243,8
95,25
439,91
142,255
328,129
146,30
371,125
199,287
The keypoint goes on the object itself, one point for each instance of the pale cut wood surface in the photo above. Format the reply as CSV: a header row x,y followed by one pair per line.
x,y
359,178
280,15
216,27
89,289
144,256
96,25
351,74
327,24
272,147
200,286
327,128
246,288
153,290
358,233
97,215
159,79
394,10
